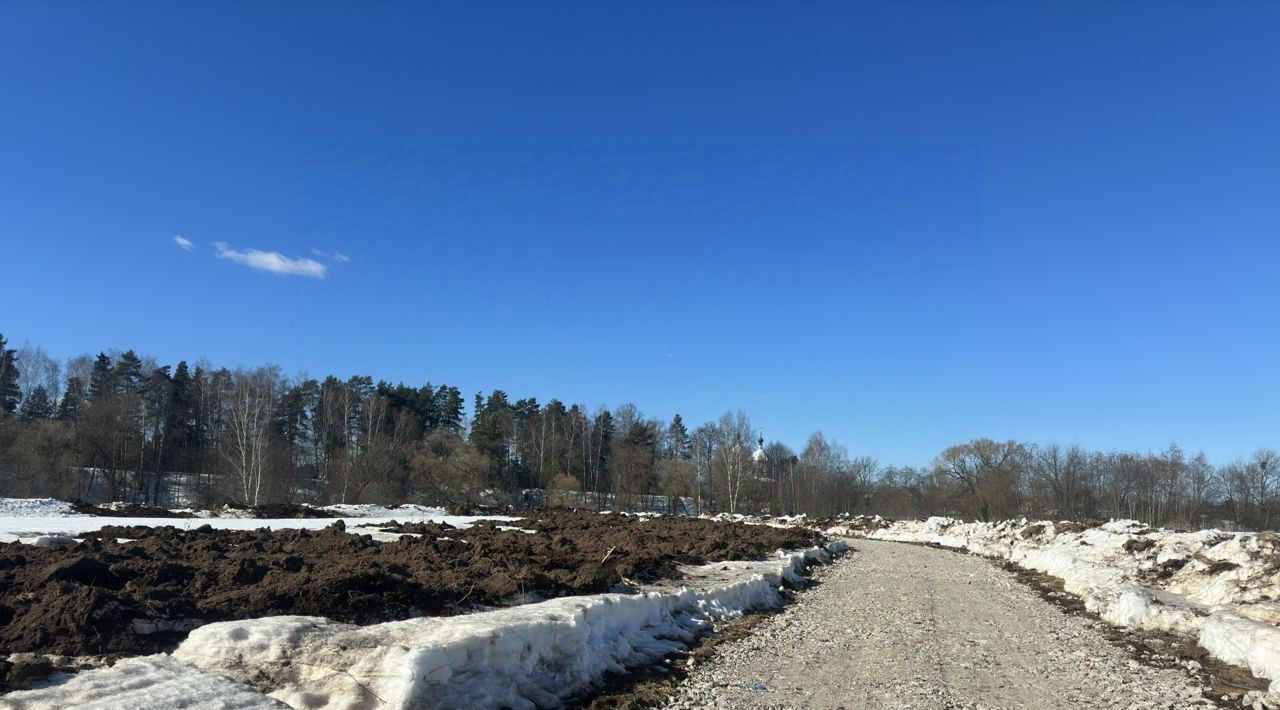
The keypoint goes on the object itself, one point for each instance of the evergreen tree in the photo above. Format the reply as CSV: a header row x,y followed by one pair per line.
x,y
37,405
402,399
180,422
604,432
127,374
182,407
293,416
633,466
678,441
448,407
639,434
73,399
9,392
157,398
527,409
424,405
100,380
491,430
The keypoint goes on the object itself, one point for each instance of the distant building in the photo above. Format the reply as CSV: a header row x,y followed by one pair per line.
x,y
759,456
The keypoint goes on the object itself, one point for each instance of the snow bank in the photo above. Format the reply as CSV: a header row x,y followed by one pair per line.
x,y
1217,587
149,683
371,510
536,655
773,521
35,507
531,656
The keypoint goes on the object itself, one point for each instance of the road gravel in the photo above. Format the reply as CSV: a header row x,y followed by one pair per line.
x,y
900,626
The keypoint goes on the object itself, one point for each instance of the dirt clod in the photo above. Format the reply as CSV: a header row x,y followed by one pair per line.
x,y
1139,544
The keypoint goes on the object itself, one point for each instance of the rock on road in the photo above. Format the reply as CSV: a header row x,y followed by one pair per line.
x,y
903,626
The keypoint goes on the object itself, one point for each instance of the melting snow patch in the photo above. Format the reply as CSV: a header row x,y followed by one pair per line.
x,y
369,510
34,508
158,682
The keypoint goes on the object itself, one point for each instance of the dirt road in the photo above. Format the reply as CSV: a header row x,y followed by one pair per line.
x,y
903,626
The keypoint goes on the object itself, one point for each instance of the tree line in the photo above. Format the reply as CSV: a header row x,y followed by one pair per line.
x,y
992,480
120,426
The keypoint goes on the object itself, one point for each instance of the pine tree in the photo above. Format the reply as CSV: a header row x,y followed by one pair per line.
x,y
73,399
157,399
604,429
37,405
633,465
678,441
292,418
180,425
100,380
9,392
639,434
491,430
127,374
448,405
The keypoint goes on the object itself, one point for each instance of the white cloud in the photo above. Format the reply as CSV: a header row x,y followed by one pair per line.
x,y
334,255
184,242
272,261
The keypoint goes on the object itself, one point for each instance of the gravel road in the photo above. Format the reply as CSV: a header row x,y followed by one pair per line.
x,y
903,626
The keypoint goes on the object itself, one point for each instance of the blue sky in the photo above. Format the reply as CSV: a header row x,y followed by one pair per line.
x,y
904,224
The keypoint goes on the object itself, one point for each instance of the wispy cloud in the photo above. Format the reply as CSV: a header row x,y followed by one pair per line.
x,y
183,242
271,261
334,255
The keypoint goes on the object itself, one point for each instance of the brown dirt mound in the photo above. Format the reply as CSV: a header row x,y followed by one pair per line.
x,y
1139,544
130,510
104,596
288,510
457,509
1070,526
864,523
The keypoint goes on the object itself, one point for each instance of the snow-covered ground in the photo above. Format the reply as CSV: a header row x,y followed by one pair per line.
x,y
536,655
46,521
34,508
1217,587
778,521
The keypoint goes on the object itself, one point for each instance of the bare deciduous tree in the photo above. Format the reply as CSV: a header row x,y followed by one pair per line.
x,y
245,447
988,470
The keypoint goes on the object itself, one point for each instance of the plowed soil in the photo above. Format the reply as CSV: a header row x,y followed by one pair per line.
x,y
137,590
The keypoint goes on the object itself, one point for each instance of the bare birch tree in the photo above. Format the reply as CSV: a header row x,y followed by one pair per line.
x,y
245,446
733,455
